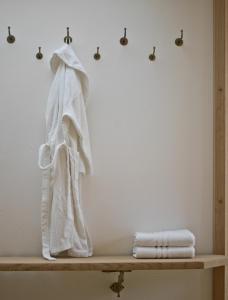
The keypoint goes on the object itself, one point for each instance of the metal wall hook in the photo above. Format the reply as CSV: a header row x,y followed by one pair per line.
x,y
124,40
68,39
179,41
97,55
152,56
10,38
39,55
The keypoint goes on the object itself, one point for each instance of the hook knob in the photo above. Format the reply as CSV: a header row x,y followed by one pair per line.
x,y
152,56
124,40
179,41
39,55
68,39
10,38
97,55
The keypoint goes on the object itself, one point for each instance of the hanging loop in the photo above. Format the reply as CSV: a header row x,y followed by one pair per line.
x,y
39,55
97,55
68,39
179,41
152,56
124,40
10,38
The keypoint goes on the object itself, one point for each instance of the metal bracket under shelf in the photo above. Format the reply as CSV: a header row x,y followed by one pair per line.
x,y
117,286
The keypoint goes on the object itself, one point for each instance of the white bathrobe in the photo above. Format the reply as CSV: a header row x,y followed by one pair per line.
x,y
63,158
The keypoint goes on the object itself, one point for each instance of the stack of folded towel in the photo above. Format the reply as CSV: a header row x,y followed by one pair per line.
x,y
164,244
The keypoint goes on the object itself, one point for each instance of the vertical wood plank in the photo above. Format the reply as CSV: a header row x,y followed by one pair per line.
x,y
220,145
219,292
219,126
226,151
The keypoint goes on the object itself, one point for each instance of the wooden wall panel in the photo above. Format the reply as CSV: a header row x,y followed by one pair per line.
x,y
220,145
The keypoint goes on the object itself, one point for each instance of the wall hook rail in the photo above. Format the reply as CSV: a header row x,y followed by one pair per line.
x,y
152,56
10,38
124,40
39,55
179,41
97,55
68,39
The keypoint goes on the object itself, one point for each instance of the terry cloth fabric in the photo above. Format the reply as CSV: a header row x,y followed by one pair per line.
x,y
64,157
163,252
172,238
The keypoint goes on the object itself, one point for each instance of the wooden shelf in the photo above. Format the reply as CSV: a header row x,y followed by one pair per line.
x,y
110,263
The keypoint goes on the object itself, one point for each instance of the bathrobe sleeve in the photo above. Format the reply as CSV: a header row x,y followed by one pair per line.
x,y
74,119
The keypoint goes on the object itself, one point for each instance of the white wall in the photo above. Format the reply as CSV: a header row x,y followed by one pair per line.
x,y
151,134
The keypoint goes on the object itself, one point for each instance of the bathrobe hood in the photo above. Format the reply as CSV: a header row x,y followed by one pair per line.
x,y
68,96
66,55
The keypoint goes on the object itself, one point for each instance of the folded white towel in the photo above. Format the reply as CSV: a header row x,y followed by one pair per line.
x,y
163,252
172,238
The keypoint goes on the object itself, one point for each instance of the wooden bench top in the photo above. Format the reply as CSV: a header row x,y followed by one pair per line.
x,y
110,263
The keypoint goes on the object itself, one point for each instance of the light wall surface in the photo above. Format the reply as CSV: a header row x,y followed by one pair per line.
x,y
151,129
